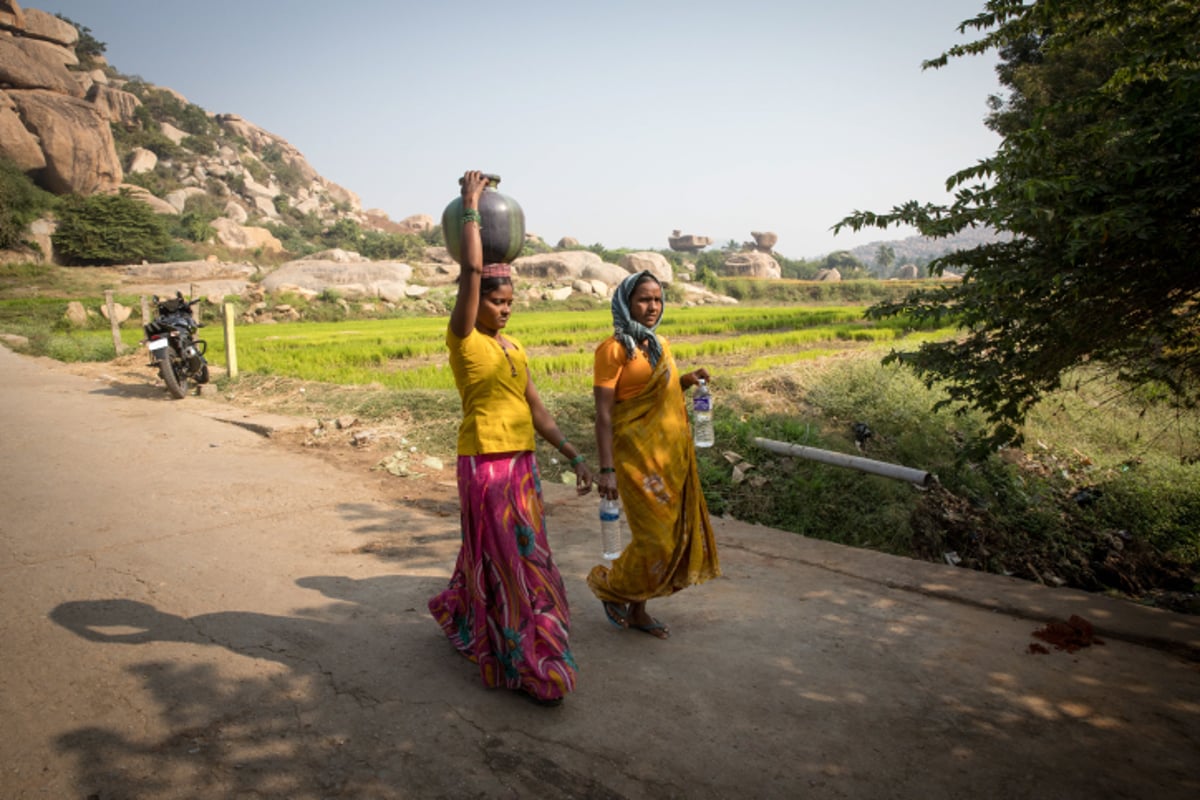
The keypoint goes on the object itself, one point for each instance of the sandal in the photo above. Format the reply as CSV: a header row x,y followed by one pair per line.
x,y
655,628
616,614
545,702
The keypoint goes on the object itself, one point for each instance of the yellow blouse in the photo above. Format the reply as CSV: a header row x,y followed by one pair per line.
x,y
496,415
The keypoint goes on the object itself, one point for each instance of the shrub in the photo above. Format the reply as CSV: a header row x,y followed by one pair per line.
x,y
110,229
195,227
21,202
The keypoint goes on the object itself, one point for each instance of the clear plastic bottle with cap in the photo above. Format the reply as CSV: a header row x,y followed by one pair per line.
x,y
702,424
611,543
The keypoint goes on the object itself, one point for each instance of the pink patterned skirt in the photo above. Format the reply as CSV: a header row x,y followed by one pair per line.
x,y
505,608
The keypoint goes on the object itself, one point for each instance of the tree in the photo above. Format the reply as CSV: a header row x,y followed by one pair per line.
x,y
845,263
110,229
1097,178
885,256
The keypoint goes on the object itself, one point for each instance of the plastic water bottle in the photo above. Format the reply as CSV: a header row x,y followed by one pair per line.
x,y
702,426
610,529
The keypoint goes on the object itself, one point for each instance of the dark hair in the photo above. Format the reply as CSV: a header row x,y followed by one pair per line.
x,y
646,275
489,285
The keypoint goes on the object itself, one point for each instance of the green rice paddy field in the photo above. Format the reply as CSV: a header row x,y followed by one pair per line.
x,y
410,352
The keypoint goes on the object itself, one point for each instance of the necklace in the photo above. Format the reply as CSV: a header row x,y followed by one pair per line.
x,y
507,357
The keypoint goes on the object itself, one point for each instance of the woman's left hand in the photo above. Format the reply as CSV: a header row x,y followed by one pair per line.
x,y
583,479
697,375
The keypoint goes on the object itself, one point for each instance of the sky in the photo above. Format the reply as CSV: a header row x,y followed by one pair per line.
x,y
611,122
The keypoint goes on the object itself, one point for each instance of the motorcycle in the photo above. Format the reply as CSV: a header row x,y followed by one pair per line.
x,y
174,348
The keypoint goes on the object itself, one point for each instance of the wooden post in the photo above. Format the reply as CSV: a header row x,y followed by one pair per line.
x,y
112,320
230,343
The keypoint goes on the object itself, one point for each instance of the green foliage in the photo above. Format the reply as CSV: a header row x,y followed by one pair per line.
x,y
158,181
21,202
160,105
846,264
258,171
296,241
798,269
758,291
194,226
391,246
1098,182
87,48
286,173
202,144
434,237
345,233
110,229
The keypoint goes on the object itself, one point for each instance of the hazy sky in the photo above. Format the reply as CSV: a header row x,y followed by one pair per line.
x,y
612,122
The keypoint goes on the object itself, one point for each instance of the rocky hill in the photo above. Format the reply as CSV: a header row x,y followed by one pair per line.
x,y
919,250
79,126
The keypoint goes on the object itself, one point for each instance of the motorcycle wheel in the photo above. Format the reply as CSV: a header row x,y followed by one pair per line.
x,y
202,375
176,383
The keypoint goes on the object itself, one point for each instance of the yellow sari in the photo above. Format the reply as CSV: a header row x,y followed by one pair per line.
x,y
671,538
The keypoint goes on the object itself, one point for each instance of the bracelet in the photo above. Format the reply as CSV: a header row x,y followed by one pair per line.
x,y
577,460
472,215
605,470
562,444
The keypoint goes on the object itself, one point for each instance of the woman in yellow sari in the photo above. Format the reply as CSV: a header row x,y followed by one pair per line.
x,y
647,459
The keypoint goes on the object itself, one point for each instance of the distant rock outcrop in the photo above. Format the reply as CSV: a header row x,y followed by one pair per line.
x,y
682,243
568,264
764,242
655,263
350,278
751,264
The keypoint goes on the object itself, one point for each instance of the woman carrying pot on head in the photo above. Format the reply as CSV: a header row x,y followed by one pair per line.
x,y
647,458
505,608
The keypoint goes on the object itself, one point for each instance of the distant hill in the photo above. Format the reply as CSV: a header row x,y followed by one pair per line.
x,y
920,250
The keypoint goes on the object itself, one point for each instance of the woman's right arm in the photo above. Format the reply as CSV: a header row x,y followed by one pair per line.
x,y
607,480
466,304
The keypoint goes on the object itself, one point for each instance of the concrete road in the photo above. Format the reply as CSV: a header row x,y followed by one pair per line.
x,y
187,610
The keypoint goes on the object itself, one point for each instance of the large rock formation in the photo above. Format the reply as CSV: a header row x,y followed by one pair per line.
x,y
75,139
681,243
764,242
338,271
654,263
568,264
55,125
42,106
751,264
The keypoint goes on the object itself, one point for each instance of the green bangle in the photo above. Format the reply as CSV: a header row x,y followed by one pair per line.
x,y
562,444
604,470
472,215
577,460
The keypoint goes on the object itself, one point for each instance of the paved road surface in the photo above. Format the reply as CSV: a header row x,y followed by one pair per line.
x,y
189,611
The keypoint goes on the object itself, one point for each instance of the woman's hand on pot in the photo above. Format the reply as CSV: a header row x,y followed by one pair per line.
x,y
473,184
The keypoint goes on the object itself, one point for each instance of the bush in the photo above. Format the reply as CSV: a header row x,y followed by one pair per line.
x,y
21,202
110,229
